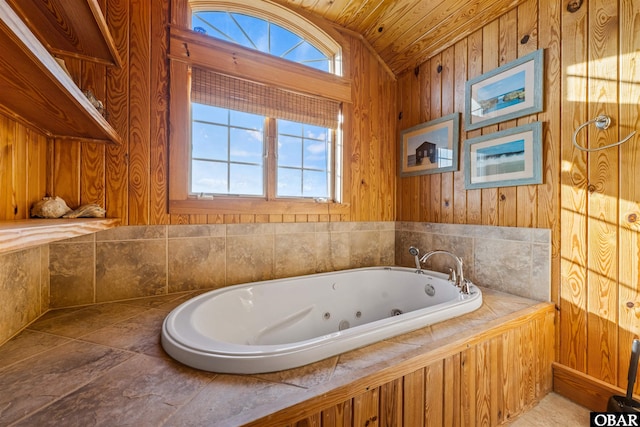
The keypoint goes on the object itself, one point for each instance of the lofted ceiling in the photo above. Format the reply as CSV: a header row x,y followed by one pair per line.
x,y
405,33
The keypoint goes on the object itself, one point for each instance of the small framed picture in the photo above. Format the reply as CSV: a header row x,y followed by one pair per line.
x,y
511,91
503,159
430,147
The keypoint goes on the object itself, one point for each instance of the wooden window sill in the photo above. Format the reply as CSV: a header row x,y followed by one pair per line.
x,y
26,233
228,205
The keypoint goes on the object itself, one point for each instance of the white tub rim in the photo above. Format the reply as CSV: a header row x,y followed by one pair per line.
x,y
355,337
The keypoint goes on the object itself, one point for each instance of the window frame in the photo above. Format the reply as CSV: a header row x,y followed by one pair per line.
x,y
281,16
188,49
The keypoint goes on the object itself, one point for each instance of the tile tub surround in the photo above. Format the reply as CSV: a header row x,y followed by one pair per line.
x,y
510,259
139,261
24,288
103,365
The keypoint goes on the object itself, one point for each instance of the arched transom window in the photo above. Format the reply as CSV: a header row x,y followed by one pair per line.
x,y
269,28
262,35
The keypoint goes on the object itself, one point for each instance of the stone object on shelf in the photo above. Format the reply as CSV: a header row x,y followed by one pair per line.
x,y
50,207
94,101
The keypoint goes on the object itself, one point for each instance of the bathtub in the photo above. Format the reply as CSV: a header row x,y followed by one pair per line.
x,y
285,323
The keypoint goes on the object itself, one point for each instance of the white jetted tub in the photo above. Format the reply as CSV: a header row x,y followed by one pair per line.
x,y
285,323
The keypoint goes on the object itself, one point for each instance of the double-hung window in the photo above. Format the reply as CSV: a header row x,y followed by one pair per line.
x,y
264,112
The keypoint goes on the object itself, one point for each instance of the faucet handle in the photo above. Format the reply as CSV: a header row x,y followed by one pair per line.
x,y
453,277
466,286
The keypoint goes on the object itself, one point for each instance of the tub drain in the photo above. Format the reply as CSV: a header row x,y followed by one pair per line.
x,y
343,325
396,312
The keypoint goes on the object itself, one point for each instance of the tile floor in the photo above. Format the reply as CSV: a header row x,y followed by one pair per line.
x,y
103,365
554,411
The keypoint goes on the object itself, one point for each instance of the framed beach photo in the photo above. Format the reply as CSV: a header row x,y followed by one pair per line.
x,y
430,147
503,159
511,91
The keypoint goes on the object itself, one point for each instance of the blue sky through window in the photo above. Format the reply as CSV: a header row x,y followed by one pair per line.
x,y
303,160
227,151
262,35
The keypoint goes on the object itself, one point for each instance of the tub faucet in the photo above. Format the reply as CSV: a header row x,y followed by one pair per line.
x,y
416,256
456,276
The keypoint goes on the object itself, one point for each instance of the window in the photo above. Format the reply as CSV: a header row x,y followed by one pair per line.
x,y
251,140
304,160
264,127
228,151
263,35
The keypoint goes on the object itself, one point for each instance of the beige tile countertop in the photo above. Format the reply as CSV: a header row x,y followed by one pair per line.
x,y
103,365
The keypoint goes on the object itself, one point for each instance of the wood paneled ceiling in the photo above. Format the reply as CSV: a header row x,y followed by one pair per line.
x,y
405,33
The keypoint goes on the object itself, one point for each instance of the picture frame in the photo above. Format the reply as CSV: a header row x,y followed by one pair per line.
x,y
430,147
503,159
505,93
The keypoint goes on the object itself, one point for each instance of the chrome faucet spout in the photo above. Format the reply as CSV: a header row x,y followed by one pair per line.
x,y
457,275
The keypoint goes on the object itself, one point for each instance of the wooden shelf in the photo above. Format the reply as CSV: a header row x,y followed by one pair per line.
x,y
26,233
37,91
70,28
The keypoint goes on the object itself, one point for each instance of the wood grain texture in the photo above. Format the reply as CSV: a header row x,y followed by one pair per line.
x,y
435,387
339,415
92,155
602,204
548,194
66,171
159,110
365,408
391,403
490,61
629,243
8,174
459,201
452,389
507,52
36,170
573,288
139,113
413,411
26,233
586,390
434,190
117,158
474,69
468,380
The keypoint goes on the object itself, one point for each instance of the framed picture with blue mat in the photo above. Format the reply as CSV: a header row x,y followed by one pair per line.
x,y
505,93
503,159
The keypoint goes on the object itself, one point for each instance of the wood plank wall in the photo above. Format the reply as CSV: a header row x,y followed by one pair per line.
x,y
589,201
130,180
486,381
24,158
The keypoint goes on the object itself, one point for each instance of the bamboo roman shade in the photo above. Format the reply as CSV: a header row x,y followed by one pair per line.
x,y
220,90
